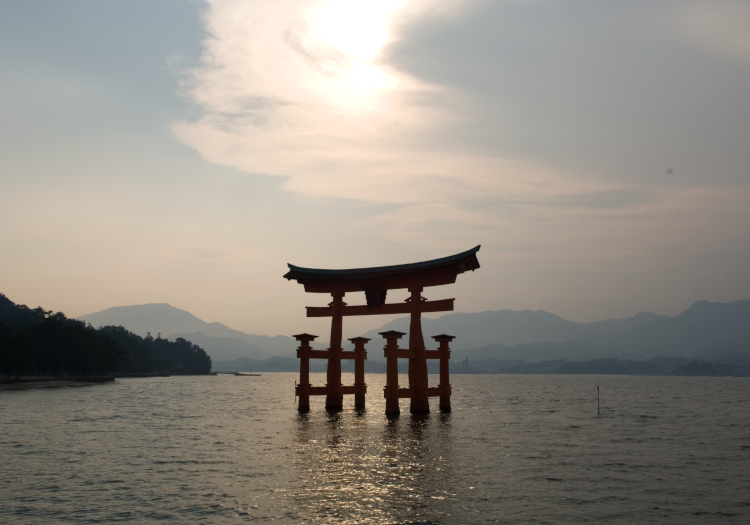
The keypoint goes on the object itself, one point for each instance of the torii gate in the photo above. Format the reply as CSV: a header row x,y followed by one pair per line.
x,y
376,282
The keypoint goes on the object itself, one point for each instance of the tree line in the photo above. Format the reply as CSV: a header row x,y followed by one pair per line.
x,y
37,341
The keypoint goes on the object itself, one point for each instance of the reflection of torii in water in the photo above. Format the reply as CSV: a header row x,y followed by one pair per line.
x,y
376,282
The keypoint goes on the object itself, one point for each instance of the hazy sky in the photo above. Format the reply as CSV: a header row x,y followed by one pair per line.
x,y
184,151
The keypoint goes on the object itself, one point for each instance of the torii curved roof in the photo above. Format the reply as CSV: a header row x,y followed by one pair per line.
x,y
459,263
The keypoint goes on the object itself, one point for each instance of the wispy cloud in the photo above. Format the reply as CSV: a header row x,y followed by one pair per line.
x,y
299,89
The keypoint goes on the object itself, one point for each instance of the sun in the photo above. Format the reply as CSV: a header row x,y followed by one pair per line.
x,y
353,34
356,28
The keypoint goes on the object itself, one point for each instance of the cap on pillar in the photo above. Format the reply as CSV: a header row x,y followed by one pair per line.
x,y
359,339
444,337
304,337
392,334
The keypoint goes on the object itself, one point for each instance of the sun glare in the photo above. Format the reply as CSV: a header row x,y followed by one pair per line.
x,y
356,32
357,29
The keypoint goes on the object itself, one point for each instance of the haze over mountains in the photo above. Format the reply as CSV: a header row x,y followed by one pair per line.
x,y
706,330
512,327
719,331
219,341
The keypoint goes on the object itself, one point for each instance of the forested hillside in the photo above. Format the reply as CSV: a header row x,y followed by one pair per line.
x,y
38,341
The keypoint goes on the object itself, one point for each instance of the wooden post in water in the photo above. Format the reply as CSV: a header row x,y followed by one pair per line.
x,y
303,354
335,396
420,403
391,381
445,357
360,355
597,400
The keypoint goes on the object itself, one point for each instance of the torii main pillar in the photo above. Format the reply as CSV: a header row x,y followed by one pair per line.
x,y
375,283
420,402
335,395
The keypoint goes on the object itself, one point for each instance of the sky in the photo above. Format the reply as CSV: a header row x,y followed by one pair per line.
x,y
184,151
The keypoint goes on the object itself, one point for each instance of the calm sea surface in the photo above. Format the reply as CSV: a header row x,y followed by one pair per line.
x,y
515,449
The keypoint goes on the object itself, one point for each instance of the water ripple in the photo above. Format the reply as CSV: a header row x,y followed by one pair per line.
x,y
516,449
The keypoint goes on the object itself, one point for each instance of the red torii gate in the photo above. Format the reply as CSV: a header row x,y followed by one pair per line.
x,y
376,282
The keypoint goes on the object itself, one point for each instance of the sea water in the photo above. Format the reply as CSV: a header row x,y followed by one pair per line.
x,y
515,449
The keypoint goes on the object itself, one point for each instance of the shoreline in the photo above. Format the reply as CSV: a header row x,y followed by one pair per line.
x,y
42,382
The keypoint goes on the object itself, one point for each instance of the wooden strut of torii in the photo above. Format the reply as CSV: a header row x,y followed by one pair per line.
x,y
376,282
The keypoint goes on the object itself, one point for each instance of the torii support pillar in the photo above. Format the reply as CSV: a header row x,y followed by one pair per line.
x,y
391,392
445,358
360,355
303,353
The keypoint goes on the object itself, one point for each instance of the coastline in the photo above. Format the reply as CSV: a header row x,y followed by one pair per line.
x,y
43,382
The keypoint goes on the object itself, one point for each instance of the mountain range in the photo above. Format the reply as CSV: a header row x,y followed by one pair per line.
x,y
705,330
219,341
512,327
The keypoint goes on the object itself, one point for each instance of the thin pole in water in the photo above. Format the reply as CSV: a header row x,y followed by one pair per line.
x,y
597,400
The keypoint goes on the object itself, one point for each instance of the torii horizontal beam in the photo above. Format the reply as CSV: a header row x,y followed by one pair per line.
x,y
400,353
443,305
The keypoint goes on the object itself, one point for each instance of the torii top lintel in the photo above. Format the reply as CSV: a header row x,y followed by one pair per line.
x,y
421,274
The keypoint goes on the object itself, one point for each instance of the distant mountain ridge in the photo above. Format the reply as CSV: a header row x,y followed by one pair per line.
x,y
699,332
226,348
704,328
219,341
537,352
512,327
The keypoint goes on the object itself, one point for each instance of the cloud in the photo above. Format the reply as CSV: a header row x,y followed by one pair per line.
x,y
299,89
304,90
